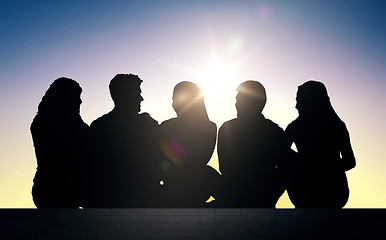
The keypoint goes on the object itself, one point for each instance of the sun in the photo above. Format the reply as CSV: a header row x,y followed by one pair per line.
x,y
215,79
218,73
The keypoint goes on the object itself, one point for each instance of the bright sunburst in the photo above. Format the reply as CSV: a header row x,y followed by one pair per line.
x,y
214,78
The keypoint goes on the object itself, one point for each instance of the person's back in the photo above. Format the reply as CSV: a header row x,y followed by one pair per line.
x,y
61,141
188,142
324,151
251,149
249,153
125,144
124,148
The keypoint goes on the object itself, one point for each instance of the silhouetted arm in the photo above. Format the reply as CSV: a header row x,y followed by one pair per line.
x,y
288,169
289,135
203,146
48,145
348,158
223,148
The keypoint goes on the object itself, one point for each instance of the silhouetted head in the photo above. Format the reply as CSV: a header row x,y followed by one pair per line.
x,y
312,100
250,99
126,91
61,98
188,100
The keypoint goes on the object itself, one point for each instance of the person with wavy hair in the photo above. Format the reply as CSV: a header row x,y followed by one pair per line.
x,y
324,151
60,140
188,142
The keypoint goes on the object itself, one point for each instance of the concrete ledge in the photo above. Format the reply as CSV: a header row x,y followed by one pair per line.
x,y
207,223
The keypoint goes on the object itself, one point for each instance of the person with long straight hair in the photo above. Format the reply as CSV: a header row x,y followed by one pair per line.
x,y
324,151
60,140
188,142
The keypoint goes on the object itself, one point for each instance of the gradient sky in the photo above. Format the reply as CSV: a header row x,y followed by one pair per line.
x,y
217,44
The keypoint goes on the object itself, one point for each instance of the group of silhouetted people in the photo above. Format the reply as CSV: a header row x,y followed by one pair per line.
x,y
126,159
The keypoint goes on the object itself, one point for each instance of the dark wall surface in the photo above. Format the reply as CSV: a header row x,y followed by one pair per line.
x,y
209,223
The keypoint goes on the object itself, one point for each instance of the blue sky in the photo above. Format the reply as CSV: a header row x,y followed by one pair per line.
x,y
26,25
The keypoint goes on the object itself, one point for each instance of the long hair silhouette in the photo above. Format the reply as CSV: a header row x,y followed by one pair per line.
x,y
324,151
313,102
60,139
188,142
61,98
188,101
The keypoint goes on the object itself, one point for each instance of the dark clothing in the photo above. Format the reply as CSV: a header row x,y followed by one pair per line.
x,y
126,172
251,154
188,146
61,147
318,174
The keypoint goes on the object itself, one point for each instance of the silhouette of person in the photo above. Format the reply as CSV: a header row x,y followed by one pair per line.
x,y
324,151
126,145
251,150
188,142
61,141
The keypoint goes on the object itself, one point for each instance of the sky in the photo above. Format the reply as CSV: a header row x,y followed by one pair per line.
x,y
216,44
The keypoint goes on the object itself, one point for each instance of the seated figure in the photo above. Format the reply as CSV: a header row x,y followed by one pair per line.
x,y
125,171
251,151
188,142
318,177
61,141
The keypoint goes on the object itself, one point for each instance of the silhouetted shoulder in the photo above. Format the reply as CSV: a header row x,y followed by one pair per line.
x,y
213,125
273,125
291,129
341,132
236,122
148,119
342,125
36,122
229,123
229,127
297,126
102,120
291,126
169,122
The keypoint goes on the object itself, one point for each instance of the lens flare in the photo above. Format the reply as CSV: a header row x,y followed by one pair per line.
x,y
264,11
174,151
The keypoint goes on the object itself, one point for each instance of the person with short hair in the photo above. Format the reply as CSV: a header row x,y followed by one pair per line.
x,y
251,149
126,149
